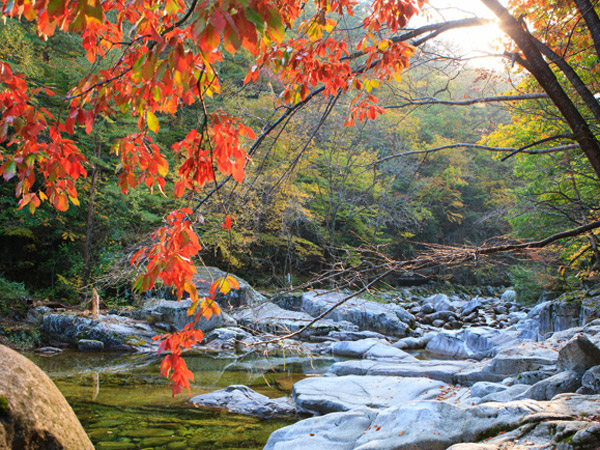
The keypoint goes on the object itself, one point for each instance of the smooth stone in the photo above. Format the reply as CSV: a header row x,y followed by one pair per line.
x,y
525,357
337,431
118,333
434,425
389,319
444,370
272,318
243,400
33,413
475,342
332,394
591,380
579,354
509,295
174,314
89,345
568,381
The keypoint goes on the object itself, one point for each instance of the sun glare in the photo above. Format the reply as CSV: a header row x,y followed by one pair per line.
x,y
482,44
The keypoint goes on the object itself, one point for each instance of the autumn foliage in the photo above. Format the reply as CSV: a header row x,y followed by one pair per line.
x,y
167,54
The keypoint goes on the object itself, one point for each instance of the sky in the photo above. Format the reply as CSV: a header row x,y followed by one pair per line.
x,y
474,41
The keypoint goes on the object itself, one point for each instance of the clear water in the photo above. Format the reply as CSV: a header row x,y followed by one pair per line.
x,y
123,403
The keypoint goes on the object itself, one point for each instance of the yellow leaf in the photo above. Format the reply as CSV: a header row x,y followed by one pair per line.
x,y
152,121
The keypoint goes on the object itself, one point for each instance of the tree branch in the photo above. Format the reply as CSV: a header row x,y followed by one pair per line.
x,y
468,102
510,150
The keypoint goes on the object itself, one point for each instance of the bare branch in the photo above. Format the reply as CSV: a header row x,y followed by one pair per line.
x,y
511,150
468,102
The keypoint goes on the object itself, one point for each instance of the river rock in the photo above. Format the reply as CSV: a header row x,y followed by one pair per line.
x,y
337,431
355,335
33,413
271,318
389,319
590,382
89,345
323,395
579,354
508,295
525,357
444,370
225,338
435,425
370,349
117,333
246,295
243,400
567,381
430,425
475,342
173,315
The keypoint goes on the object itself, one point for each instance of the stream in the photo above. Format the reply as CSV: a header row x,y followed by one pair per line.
x,y
123,402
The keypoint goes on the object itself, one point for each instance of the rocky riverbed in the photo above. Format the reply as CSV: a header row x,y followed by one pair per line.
x,y
496,375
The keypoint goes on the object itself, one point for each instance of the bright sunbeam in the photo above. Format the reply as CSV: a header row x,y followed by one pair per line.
x,y
482,43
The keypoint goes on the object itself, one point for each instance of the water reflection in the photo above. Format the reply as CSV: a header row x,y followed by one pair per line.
x,y
123,403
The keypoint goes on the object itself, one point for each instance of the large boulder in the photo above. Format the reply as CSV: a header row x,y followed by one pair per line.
x,y
446,370
323,395
590,382
476,343
579,354
547,389
528,356
558,315
115,332
33,413
370,349
269,317
389,319
243,400
246,295
172,315
435,425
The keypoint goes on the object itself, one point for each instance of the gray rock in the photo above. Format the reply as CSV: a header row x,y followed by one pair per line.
x,y
48,350
35,415
483,388
413,343
471,306
243,400
118,333
337,431
445,370
246,295
427,308
389,319
355,335
417,425
508,296
505,395
525,357
353,349
271,318
89,345
225,338
174,315
475,342
567,381
579,354
591,381
332,394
